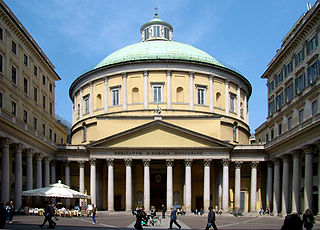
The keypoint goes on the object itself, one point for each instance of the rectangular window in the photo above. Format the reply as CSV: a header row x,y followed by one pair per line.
x,y
314,107
25,116
55,138
299,83
289,92
271,86
312,44
51,108
146,34
115,96
288,69
35,70
25,85
86,104
35,123
312,73
50,134
279,78
14,74
25,59
279,129
201,96
279,101
156,31
271,107
44,101
1,34
299,57
232,103
13,108
43,129
166,33
272,134
43,79
301,116
267,138
50,87
289,123
35,94
14,47
157,93
1,100
1,63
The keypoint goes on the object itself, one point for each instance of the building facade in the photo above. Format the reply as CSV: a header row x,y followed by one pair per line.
x,y
291,133
29,132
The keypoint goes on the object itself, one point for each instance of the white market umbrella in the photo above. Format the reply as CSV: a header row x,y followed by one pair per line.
x,y
56,190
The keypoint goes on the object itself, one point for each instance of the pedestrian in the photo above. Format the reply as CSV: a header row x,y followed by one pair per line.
x,y
48,213
163,211
308,219
139,218
173,218
292,222
3,215
93,214
10,210
211,219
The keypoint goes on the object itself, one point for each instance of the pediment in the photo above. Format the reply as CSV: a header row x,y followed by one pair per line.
x,y
159,134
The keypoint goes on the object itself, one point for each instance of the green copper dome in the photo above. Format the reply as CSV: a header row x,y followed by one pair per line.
x,y
158,49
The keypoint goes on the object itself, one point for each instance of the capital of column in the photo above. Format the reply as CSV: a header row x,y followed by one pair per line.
x,y
285,158
269,164
206,162
29,152
188,162
5,142
53,163
191,74
308,149
169,162
81,164
295,154
276,161
19,147
145,73
168,72
66,163
124,74
146,162
128,162
47,160
225,162
254,164
39,156
92,161
237,164
211,76
110,161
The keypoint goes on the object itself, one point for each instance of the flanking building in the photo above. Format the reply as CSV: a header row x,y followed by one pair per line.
x,y
29,132
291,134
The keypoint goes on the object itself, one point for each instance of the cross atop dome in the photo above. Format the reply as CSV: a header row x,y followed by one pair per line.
x,y
156,12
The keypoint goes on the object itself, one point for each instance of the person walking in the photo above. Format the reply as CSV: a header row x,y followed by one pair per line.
x,y
173,218
211,219
308,219
139,218
10,210
48,213
93,214
163,211
3,215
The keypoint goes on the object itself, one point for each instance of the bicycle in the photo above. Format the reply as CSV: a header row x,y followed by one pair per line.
x,y
153,220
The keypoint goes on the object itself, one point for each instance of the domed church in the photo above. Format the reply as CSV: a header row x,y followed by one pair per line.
x,y
162,122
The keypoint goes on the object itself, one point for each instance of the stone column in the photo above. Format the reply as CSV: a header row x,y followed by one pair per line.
x,y
238,101
269,185
67,178
276,187
39,158
169,163
188,163
206,184
169,99
106,92
191,91
91,99
227,97
146,94
81,178
46,172
124,91
146,187
93,185
237,184
53,172
225,185
110,185
253,187
81,102
308,178
245,112
296,182
29,155
18,176
211,95
5,188
285,185
128,163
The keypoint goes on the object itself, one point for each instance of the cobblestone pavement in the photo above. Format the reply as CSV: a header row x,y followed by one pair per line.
x,y
126,221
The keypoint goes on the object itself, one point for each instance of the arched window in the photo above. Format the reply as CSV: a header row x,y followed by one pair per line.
x,y
135,95
180,94
218,99
98,101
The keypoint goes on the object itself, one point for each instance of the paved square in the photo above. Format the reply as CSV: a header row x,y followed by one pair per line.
x,y
126,221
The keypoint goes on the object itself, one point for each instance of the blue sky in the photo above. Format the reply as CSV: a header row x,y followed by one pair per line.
x,y
77,34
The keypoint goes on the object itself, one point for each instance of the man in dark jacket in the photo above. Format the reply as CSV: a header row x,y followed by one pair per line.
x,y
48,213
163,211
173,218
211,220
